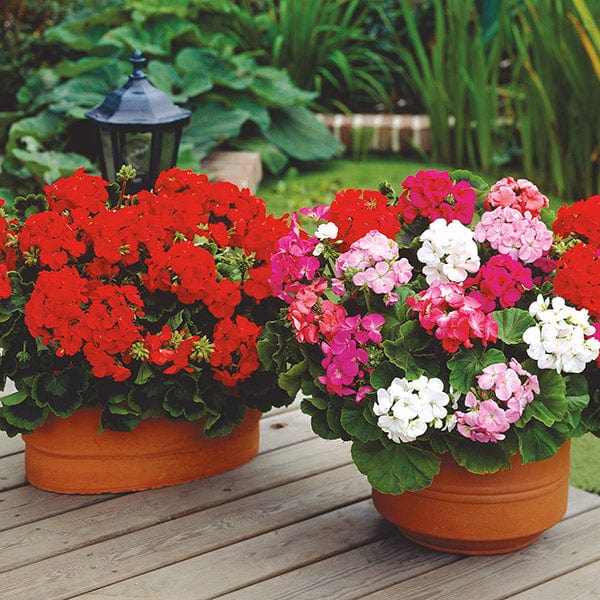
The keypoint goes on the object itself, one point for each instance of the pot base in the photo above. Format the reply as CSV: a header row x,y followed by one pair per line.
x,y
465,513
69,455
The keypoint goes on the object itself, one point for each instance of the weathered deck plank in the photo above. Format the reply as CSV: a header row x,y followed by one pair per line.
x,y
296,523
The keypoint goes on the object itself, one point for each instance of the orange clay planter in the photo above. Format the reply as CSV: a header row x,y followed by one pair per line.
x,y
482,514
70,456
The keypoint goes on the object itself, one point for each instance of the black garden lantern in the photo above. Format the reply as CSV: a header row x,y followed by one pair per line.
x,y
139,126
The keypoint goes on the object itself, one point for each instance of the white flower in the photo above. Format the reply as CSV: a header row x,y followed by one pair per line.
x,y
406,409
558,341
326,231
448,252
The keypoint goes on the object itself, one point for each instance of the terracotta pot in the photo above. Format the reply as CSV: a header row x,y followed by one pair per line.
x,y
70,456
482,514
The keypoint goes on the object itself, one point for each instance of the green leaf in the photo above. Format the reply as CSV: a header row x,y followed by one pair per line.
x,y
410,351
321,427
42,127
538,442
70,69
271,156
550,405
354,421
383,374
333,416
50,166
291,380
15,398
179,88
479,457
206,65
184,401
212,122
222,421
397,468
512,323
275,89
314,401
257,112
25,417
144,374
296,131
114,420
466,364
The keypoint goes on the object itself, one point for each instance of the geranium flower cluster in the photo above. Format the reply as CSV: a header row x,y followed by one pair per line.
x,y
562,338
448,252
433,195
577,276
168,277
406,409
519,194
502,393
519,235
373,261
454,318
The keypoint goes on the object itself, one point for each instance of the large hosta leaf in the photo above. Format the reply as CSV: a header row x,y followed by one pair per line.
x,y
273,158
49,166
396,468
275,88
212,122
296,131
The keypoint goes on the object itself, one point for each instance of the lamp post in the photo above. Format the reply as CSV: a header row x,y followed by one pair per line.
x,y
139,126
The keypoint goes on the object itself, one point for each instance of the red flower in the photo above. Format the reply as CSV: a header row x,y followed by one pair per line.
x,y
356,212
53,237
235,356
5,286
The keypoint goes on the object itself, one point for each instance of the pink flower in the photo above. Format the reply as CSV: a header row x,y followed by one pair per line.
x,y
454,318
521,195
520,236
502,279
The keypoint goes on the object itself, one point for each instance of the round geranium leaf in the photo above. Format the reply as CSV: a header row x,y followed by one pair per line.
x,y
397,468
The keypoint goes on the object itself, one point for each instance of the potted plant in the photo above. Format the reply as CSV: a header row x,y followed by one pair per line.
x,y
424,328
129,325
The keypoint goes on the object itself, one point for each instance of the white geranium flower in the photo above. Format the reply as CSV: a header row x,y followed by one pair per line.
x,y
326,231
558,340
406,409
448,252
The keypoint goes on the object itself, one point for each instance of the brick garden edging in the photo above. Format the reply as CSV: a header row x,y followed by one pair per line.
x,y
390,133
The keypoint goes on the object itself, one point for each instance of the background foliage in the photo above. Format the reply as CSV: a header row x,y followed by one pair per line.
x,y
229,93
508,84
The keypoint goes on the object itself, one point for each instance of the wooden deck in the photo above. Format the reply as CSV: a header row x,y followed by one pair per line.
x,y
295,523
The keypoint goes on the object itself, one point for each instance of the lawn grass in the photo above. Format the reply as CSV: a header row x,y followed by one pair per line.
x,y
317,184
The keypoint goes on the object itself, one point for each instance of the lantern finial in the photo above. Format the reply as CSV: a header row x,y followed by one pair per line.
x,y
139,62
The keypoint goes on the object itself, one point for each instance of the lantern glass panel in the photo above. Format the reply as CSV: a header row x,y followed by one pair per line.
x,y
136,152
167,151
107,158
